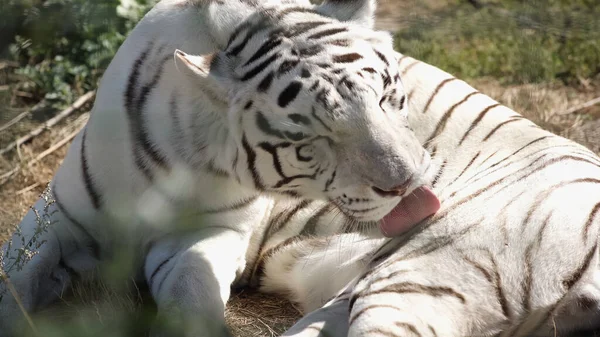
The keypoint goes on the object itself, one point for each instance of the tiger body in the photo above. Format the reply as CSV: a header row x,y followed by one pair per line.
x,y
188,161
513,251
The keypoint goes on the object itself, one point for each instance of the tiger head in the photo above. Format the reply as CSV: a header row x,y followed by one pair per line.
x,y
316,106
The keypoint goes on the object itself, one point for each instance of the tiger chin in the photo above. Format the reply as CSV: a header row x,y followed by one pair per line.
x,y
184,157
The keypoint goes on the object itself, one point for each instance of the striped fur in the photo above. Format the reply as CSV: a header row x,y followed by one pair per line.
x,y
278,104
512,252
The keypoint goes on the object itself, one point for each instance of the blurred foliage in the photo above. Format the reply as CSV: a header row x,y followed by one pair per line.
x,y
63,46
514,41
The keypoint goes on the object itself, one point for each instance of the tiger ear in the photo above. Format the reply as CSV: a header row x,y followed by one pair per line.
x,y
201,70
361,12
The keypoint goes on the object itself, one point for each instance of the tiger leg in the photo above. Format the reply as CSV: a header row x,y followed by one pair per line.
x,y
298,268
329,321
190,280
39,262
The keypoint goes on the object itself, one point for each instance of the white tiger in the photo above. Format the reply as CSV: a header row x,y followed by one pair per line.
x,y
512,252
185,164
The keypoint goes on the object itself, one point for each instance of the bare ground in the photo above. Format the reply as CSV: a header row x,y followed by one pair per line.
x,y
248,313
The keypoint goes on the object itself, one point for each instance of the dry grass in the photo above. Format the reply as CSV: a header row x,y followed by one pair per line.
x,y
248,314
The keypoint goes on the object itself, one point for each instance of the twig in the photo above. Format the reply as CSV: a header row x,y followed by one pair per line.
x,y
27,189
21,116
56,146
8,64
5,177
579,107
81,101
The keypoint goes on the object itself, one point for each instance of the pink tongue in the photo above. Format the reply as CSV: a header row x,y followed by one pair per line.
x,y
411,210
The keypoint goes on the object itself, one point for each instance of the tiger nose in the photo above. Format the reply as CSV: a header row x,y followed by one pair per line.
x,y
396,191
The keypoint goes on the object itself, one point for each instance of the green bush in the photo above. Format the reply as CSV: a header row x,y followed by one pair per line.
x,y
64,45
514,41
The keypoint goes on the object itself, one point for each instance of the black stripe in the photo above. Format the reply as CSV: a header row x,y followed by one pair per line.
x,y
327,32
263,125
499,290
265,84
217,171
339,42
299,119
370,307
517,151
330,180
176,131
237,49
286,66
302,28
88,181
136,118
346,58
468,165
436,91
572,279
287,217
160,266
63,264
590,221
415,288
310,228
301,157
251,161
289,94
133,78
305,73
310,51
369,70
264,49
439,174
272,150
514,119
444,120
382,57
93,243
401,102
476,121
236,33
259,68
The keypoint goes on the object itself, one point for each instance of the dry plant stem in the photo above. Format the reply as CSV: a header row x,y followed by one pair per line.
x,y
578,108
21,116
27,189
5,177
56,146
14,293
8,64
81,101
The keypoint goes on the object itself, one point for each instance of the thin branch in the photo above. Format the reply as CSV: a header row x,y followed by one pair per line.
x,y
21,116
81,101
56,146
580,107
6,176
28,188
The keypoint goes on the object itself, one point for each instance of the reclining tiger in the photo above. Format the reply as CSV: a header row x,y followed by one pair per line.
x,y
212,119
512,251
